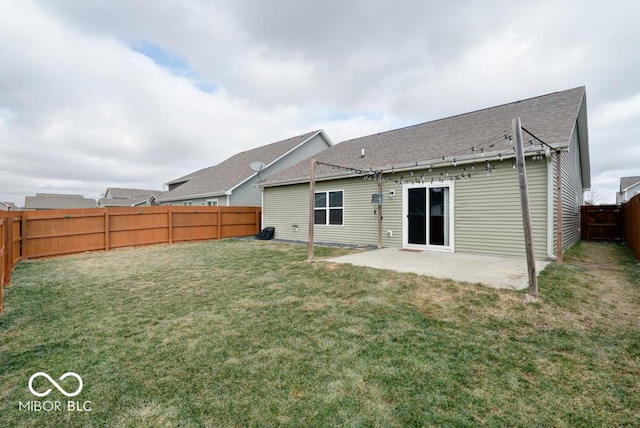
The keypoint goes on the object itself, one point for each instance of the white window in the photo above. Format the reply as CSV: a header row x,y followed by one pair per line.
x,y
187,203
212,202
329,207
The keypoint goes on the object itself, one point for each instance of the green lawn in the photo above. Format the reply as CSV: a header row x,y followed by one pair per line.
x,y
247,333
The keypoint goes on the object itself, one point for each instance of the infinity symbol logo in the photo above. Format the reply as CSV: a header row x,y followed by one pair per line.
x,y
54,383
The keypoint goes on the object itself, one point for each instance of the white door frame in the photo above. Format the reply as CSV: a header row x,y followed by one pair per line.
x,y
405,211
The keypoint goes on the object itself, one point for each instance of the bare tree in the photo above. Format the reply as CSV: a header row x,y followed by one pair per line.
x,y
593,196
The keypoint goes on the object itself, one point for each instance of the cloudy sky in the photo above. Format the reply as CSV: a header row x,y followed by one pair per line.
x,y
134,93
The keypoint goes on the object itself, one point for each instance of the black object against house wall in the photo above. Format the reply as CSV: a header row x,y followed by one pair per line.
x,y
266,234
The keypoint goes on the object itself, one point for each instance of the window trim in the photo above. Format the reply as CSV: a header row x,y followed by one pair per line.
x,y
212,200
328,208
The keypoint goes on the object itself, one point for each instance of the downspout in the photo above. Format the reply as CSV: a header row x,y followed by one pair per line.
x,y
379,174
550,216
559,209
261,205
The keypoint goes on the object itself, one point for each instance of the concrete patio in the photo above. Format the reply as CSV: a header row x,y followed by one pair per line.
x,y
492,271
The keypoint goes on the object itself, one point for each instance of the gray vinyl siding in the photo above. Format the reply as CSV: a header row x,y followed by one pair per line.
x,y
314,146
248,195
572,195
487,213
287,206
284,208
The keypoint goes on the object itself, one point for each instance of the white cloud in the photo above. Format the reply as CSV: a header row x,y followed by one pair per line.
x,y
81,109
617,112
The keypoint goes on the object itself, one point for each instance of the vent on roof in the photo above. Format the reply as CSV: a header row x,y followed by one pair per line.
x,y
362,153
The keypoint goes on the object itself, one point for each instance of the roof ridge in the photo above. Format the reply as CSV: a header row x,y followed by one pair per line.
x,y
199,171
464,114
275,142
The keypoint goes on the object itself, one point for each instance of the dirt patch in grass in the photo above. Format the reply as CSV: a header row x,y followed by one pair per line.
x,y
610,283
331,266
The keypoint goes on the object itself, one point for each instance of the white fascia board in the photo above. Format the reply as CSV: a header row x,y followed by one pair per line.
x,y
303,180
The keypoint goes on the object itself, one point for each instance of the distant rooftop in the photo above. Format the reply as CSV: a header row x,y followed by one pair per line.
x,y
52,201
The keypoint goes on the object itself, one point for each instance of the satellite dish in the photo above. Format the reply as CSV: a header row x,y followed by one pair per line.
x,y
257,166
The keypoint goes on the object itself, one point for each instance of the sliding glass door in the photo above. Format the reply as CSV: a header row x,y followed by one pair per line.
x,y
428,217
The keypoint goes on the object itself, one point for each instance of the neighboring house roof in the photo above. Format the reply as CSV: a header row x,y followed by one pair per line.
x,y
222,178
152,198
552,118
50,201
627,182
7,206
125,202
120,197
123,193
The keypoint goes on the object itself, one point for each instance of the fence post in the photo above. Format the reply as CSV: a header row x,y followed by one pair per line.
x,y
18,238
2,261
107,226
219,224
170,218
23,249
258,225
3,250
8,249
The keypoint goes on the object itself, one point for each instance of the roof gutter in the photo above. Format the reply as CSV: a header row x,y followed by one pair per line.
x,y
447,162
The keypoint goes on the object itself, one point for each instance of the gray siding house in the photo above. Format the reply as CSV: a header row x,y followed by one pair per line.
x,y
7,206
629,187
233,181
447,185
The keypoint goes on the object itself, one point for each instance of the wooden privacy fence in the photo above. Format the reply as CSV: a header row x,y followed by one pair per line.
x,y
32,234
601,223
631,221
10,247
613,223
56,232
4,264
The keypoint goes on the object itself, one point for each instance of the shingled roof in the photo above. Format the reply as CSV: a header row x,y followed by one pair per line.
x,y
124,193
50,201
123,197
626,182
225,176
552,118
